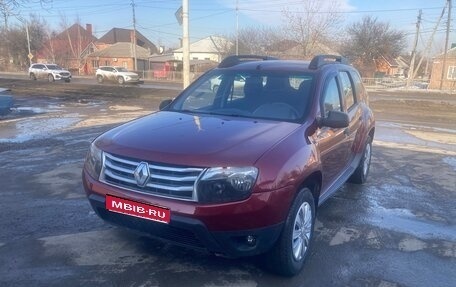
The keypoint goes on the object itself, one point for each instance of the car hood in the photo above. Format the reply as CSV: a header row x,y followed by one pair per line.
x,y
195,140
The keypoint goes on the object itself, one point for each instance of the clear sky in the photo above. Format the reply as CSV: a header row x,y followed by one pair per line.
x,y
156,20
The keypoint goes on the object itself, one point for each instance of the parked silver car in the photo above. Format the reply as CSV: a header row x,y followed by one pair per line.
x,y
117,74
51,72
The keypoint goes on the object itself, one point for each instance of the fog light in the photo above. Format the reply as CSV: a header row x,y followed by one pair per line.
x,y
250,239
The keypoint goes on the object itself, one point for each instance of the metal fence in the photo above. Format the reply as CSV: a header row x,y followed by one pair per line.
x,y
170,76
391,83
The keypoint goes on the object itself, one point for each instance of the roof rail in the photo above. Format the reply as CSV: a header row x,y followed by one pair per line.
x,y
237,59
321,60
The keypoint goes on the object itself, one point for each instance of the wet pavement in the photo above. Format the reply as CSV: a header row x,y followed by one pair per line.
x,y
399,229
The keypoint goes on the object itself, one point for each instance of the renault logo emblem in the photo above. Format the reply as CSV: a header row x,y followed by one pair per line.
x,y
142,174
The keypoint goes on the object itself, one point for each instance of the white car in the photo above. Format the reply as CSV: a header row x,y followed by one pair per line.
x,y
51,72
117,74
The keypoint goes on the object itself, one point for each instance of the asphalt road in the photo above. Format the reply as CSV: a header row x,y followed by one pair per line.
x,y
399,229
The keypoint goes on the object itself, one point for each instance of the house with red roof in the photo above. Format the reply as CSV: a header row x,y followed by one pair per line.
x,y
68,48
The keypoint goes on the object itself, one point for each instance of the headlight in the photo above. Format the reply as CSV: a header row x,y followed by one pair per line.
x,y
225,184
93,161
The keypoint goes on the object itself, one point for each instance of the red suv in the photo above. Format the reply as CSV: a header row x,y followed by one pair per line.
x,y
239,170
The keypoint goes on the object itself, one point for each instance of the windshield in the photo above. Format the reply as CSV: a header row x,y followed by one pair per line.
x,y
280,96
53,67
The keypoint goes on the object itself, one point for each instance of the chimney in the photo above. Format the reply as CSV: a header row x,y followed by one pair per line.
x,y
89,29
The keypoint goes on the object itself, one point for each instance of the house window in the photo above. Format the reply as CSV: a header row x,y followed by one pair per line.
x,y
125,64
107,63
95,63
195,58
451,73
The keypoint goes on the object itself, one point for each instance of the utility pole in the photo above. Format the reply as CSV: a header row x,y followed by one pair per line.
x,y
24,21
135,63
429,44
185,45
28,43
442,76
237,27
412,61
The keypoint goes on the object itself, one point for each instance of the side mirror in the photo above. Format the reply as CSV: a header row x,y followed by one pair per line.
x,y
335,119
163,105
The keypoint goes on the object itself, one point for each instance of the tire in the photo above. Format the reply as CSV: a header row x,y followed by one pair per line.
x,y
362,171
100,79
120,80
50,78
67,80
291,250
32,76
215,89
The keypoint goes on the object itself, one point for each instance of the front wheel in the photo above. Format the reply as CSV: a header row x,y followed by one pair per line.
x,y
121,80
32,76
291,250
362,171
50,78
100,79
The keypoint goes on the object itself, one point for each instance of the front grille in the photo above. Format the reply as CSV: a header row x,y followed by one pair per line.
x,y
64,74
155,229
165,180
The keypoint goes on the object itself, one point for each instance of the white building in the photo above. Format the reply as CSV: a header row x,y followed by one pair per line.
x,y
212,48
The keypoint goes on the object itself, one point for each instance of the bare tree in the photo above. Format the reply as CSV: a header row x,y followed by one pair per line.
x,y
258,40
369,40
312,24
9,8
17,40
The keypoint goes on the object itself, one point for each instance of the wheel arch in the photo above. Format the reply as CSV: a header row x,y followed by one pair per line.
x,y
313,182
371,133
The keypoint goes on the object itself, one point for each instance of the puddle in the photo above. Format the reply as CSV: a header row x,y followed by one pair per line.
x,y
407,134
87,250
405,221
35,127
451,161
28,123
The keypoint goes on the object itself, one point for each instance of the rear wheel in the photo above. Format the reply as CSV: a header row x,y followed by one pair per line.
x,y
120,80
50,78
291,250
362,171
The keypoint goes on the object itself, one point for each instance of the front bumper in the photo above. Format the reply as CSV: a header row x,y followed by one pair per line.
x,y
133,81
225,229
60,77
190,232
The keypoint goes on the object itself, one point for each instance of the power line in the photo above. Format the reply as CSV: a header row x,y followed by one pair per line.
x,y
344,12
